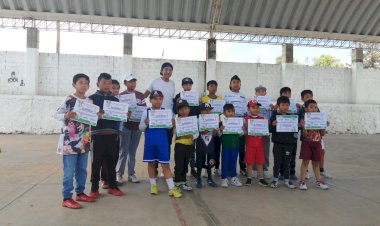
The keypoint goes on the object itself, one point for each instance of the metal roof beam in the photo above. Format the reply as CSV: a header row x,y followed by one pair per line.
x,y
216,9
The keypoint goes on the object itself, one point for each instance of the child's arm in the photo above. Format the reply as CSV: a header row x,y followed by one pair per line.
x,y
63,113
272,124
144,122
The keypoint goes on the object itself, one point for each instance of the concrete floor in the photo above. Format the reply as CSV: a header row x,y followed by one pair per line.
x,y
30,192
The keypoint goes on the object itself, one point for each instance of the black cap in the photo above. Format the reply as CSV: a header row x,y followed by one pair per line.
x,y
166,64
235,77
181,103
212,82
205,106
187,80
155,93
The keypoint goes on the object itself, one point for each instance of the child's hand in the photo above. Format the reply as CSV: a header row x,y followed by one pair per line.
x,y
129,114
100,114
298,106
204,132
190,136
271,106
222,128
214,132
70,115
301,123
274,123
173,121
245,127
146,121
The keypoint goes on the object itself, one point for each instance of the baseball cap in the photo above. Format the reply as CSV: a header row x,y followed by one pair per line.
x,y
253,103
260,87
187,80
205,106
130,77
155,93
181,103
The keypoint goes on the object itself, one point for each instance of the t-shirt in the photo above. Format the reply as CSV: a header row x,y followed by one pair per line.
x,y
206,99
239,101
75,137
253,141
167,88
229,140
140,102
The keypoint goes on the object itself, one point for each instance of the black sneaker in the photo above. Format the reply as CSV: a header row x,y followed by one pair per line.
x,y
263,182
248,182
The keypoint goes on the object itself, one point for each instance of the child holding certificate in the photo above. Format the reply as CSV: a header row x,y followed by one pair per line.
x,y
183,149
230,150
156,147
283,143
311,148
254,147
74,145
205,156
105,138
212,88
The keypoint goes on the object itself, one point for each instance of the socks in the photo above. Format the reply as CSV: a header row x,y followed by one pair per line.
x,y
170,183
153,181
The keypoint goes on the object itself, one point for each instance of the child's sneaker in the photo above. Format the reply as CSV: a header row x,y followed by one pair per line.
x,y
274,184
263,182
185,187
266,174
217,172
104,184
212,183
254,175
153,189
119,180
115,192
289,184
175,193
133,179
94,194
224,183
199,183
236,182
322,185
326,175
69,203
84,198
302,185
248,182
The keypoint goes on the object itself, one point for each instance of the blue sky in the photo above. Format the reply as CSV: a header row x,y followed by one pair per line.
x,y
111,45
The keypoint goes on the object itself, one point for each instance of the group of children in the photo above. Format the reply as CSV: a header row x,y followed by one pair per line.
x,y
113,143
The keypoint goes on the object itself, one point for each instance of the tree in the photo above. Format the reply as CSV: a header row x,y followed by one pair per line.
x,y
371,56
327,61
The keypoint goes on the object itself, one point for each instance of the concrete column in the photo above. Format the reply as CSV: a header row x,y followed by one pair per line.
x,y
127,64
356,66
31,61
210,61
287,64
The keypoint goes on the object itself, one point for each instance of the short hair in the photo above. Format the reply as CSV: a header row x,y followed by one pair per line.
x,y
285,90
306,91
104,76
79,76
115,82
212,82
283,100
311,101
228,107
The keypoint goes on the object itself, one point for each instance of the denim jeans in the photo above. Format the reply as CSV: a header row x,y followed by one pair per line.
x,y
74,166
229,161
130,140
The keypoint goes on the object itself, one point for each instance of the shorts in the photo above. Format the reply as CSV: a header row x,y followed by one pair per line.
x,y
156,153
311,150
254,155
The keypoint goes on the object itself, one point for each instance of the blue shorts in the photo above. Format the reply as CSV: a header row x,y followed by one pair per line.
x,y
156,153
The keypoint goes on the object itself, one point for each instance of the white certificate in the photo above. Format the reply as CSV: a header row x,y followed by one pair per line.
x,y
265,102
293,106
129,99
115,111
239,102
315,120
287,123
217,106
208,122
187,125
232,125
191,97
137,113
258,127
240,108
160,118
86,112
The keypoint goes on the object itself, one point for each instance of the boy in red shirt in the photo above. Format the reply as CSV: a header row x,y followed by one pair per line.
x,y
254,147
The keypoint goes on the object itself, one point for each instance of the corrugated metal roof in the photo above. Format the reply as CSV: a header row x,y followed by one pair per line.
x,y
342,19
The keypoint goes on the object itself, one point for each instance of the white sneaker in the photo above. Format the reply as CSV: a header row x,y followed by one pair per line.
x,y
266,174
254,175
224,183
326,175
289,184
236,182
119,179
217,172
307,176
133,179
303,186
322,185
185,187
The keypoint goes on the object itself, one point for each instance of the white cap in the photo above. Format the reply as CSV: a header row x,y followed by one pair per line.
x,y
130,77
